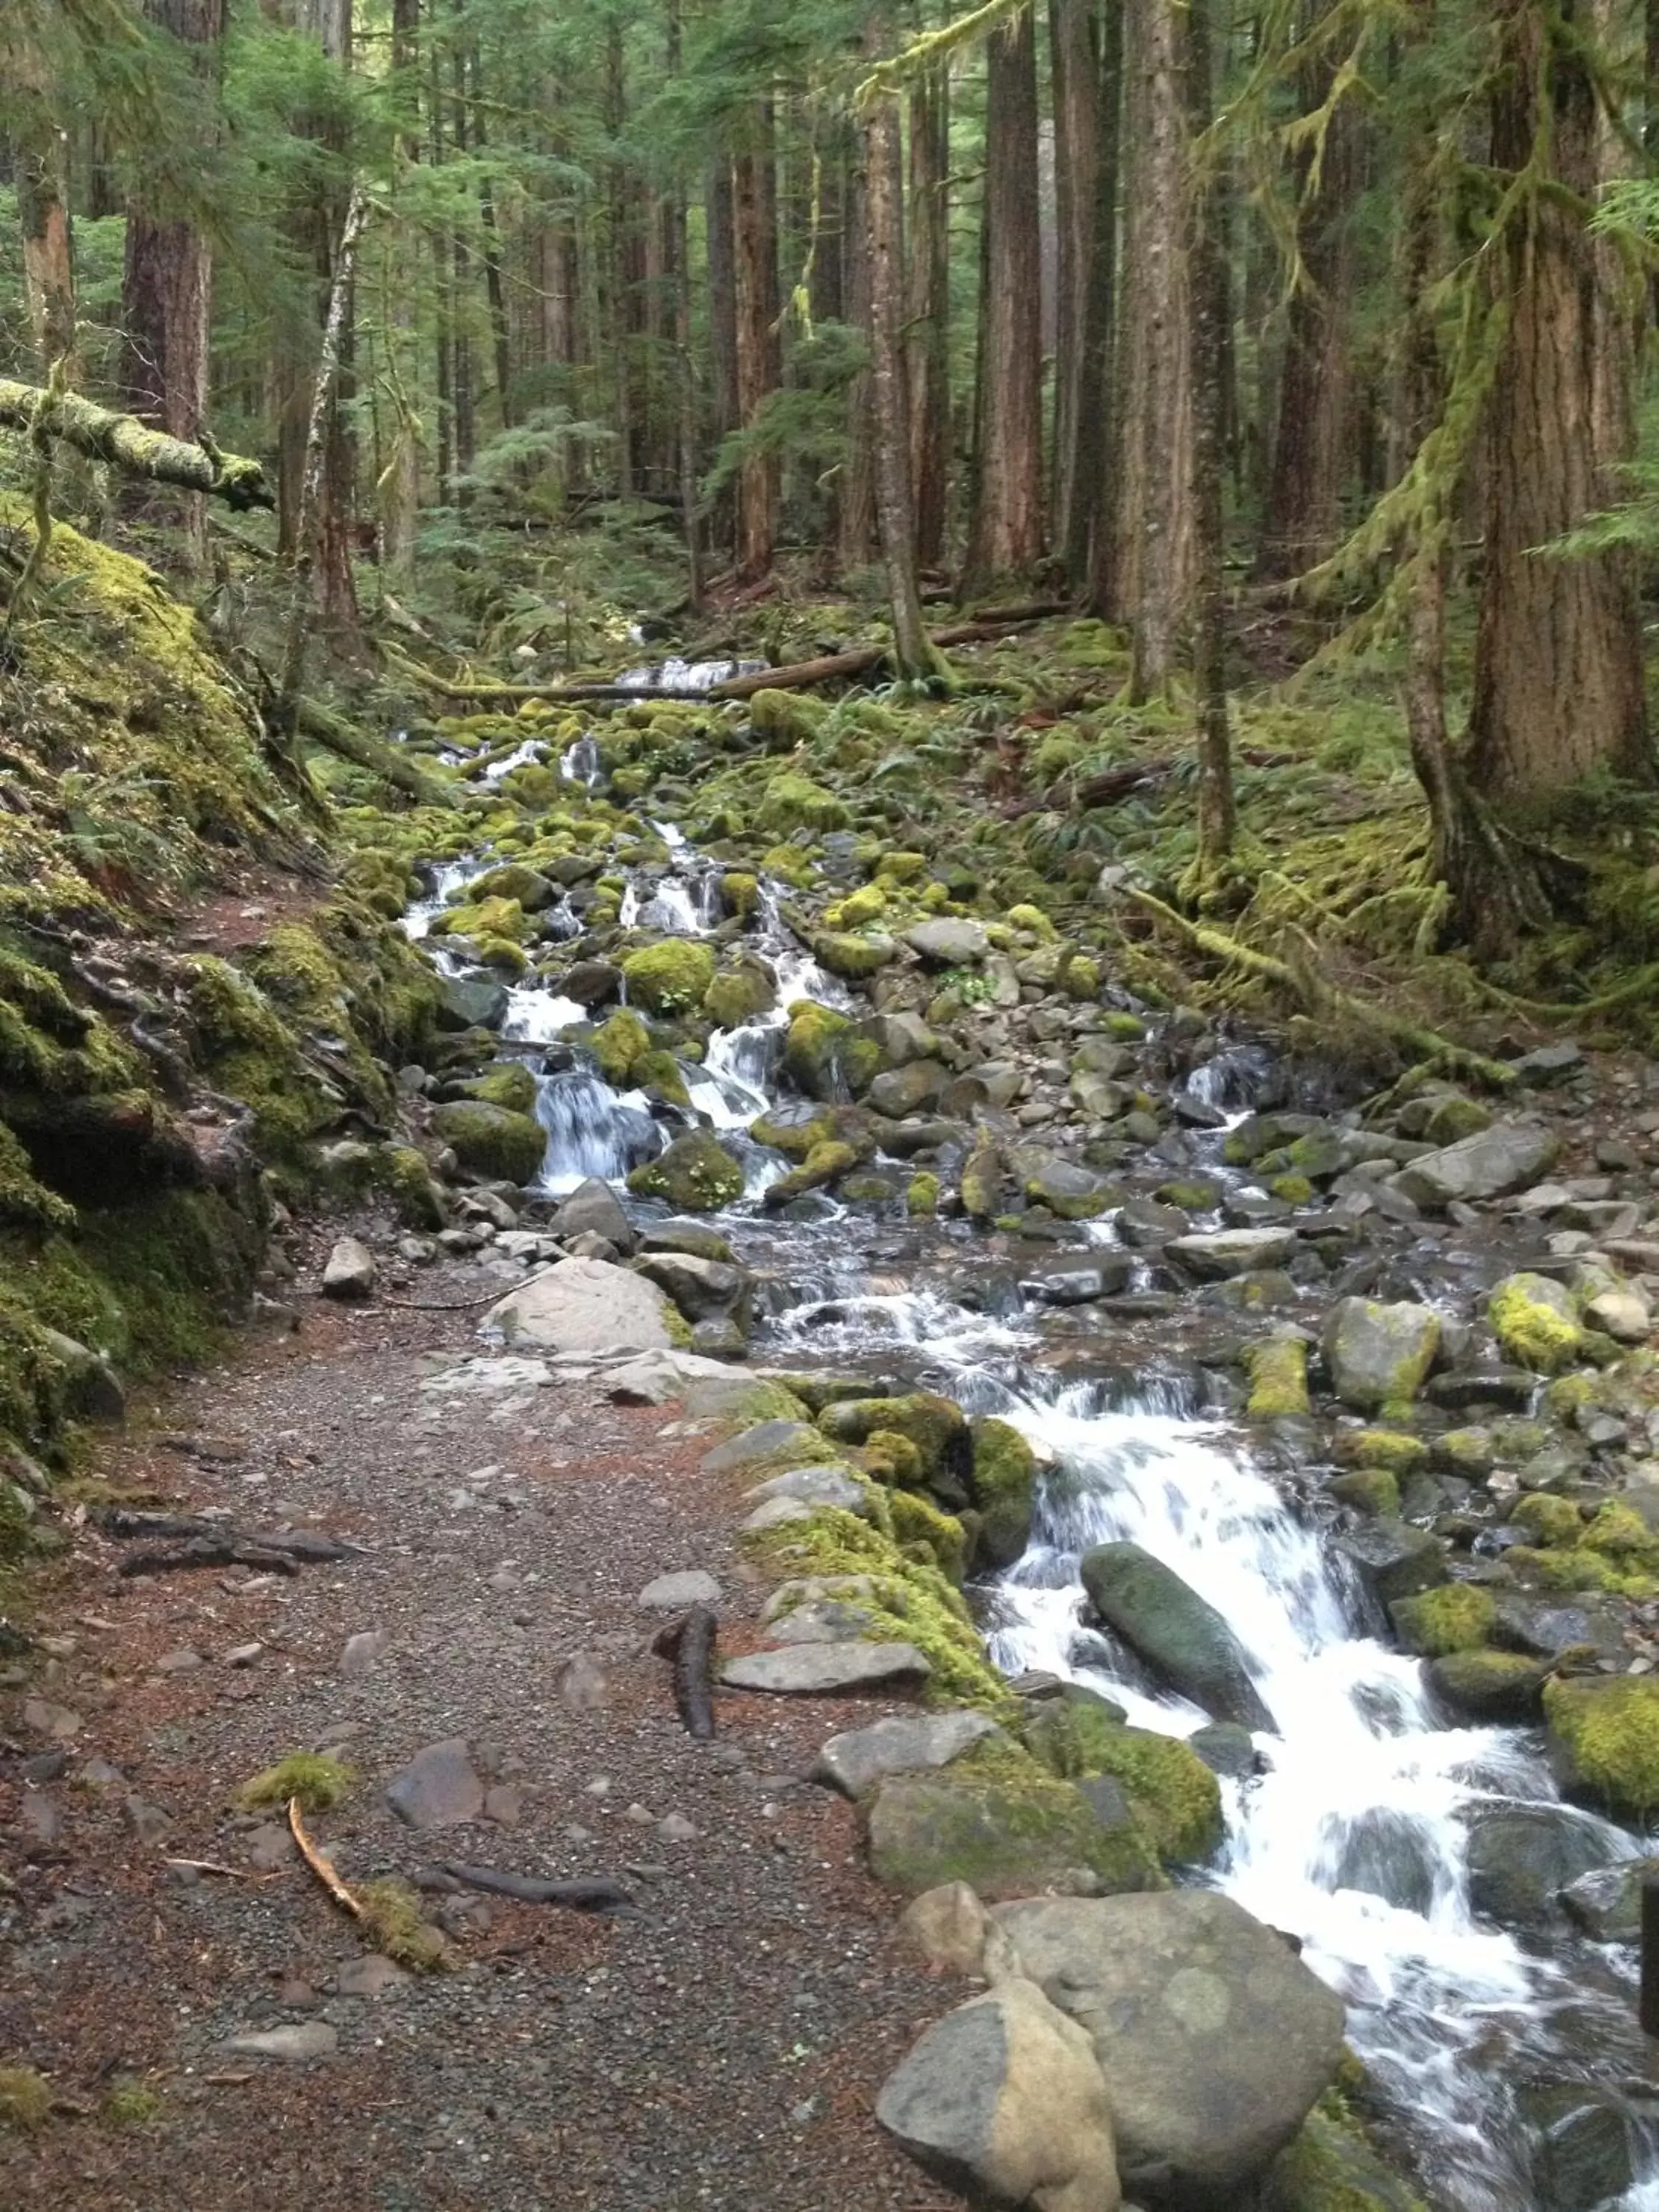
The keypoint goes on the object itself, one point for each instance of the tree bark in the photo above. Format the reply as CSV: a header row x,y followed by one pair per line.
x,y
1005,535
855,505
40,154
1558,683
1217,816
914,658
1071,32
754,226
927,340
722,328
166,279
133,447
1301,523
1153,568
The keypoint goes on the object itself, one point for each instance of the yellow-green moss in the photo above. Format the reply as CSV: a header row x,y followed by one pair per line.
x,y
867,904
131,2104
312,1777
1619,1533
1388,1448
1457,1617
489,1141
1278,1369
740,892
920,1527
1331,2166
392,1917
1548,1520
669,978
911,1603
1606,1735
891,1457
25,2100
1529,1328
921,1195
660,1074
619,1044
696,1175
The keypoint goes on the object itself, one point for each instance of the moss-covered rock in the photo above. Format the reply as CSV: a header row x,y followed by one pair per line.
x,y
823,1054
1373,1491
892,1459
921,1195
1332,2167
491,1140
786,717
845,952
740,893
696,1174
1604,1742
934,1425
1548,1520
619,1044
484,918
1277,1368
858,909
737,994
658,1073
1003,1485
1618,1533
1535,1321
792,802
1176,1796
511,1085
824,1165
669,978
409,1182
1394,1449
1490,1686
1457,1617
917,1521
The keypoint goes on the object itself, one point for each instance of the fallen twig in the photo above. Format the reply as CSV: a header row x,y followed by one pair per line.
x,y
582,1894
213,1866
688,1642
321,1863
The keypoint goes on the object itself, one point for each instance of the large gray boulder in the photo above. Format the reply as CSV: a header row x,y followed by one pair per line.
x,y
1520,1857
945,943
699,1288
1379,1355
594,1208
584,1305
1508,1157
1216,1255
907,1089
1006,1829
1391,1559
1181,1638
825,1670
1214,2039
1003,2100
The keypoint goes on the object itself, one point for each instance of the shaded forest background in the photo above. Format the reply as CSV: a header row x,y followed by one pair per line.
x,y
1295,343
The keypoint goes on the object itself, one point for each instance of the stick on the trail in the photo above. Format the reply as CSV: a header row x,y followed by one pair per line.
x,y
320,1864
690,1642
594,1894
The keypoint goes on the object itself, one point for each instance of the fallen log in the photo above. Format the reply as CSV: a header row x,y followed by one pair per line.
x,y
336,735
131,446
208,1552
688,1642
590,1894
794,676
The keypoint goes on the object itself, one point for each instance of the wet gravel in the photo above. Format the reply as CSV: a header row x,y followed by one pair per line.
x,y
720,2048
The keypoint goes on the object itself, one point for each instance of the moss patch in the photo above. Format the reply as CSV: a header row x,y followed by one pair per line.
x,y
669,978
392,1917
1604,1742
1532,1320
1278,1369
315,1779
1457,1617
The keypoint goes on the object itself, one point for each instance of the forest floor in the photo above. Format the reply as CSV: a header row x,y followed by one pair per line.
x,y
719,2049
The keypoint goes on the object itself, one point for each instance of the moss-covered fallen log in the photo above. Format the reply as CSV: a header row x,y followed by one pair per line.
x,y
336,735
131,446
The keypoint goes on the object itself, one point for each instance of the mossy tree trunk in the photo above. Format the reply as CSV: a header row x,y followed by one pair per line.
x,y
1216,815
928,331
755,240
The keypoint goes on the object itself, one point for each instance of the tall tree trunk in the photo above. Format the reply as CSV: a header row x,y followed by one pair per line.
x,y
1217,816
927,337
1072,26
755,238
1090,549
495,291
915,657
1303,521
1152,566
40,165
1006,534
722,332
400,476
1558,683
677,259
167,279
855,505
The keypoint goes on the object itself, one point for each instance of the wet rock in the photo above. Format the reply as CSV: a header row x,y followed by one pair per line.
x,y
1002,1482
439,1787
472,1002
1490,1686
1181,1637
1586,2153
853,1763
1143,1223
1072,1193
1510,1388
583,1305
1214,2039
700,1238
833,1487
1378,1355
591,982
594,1208
1391,1855
911,1089
1607,1902
674,1593
1520,1856
1393,1560
695,1175
1003,2100
350,1272
701,1289
1006,1828
1508,1157
1217,1254
818,1670
1077,1286
1329,2166
1225,1748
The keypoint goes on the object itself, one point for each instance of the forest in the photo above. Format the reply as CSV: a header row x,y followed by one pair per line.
x,y
829,1105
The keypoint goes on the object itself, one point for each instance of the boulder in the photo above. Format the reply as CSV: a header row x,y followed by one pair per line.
x,y
1379,1355
1004,1826
696,1174
947,1928
1081,1287
1329,2166
782,1443
943,943
1585,2146
1607,1902
824,1670
855,1761
669,978
1003,1486
440,1787
1489,1686
583,1305
910,1089
92,1390
491,1140
1003,2100
1391,1559
1074,1193
703,1241
1214,2039
1536,1321
699,1288
1521,1856
1603,1741
350,1271
833,1487
594,1209
1216,1255
472,1002
1179,1635
1491,1163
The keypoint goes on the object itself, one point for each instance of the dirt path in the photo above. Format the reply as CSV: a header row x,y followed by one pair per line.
x,y
720,2050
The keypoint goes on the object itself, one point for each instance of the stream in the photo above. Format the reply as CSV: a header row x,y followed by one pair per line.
x,y
1355,1836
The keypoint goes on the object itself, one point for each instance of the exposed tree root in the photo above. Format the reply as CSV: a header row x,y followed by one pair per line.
x,y
320,1864
1320,998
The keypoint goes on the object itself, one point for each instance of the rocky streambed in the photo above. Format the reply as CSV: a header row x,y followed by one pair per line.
x,y
1270,1475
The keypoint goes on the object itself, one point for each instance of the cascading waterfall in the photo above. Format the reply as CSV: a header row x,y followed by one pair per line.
x,y
1355,1836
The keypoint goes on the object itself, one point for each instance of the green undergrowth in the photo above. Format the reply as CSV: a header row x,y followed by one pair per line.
x,y
392,1917
312,1777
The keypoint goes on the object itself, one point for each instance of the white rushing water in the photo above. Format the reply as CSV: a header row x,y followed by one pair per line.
x,y
1355,1836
